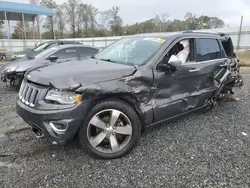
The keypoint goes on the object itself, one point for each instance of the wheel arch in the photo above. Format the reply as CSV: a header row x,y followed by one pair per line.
x,y
125,98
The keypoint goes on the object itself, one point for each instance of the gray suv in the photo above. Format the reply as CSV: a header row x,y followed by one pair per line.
x,y
107,100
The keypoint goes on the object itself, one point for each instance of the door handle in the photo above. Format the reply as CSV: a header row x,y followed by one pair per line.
x,y
194,70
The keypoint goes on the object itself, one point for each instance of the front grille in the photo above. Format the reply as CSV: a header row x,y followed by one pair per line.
x,y
28,94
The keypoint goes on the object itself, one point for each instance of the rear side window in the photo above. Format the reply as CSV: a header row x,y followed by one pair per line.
x,y
66,53
208,49
85,51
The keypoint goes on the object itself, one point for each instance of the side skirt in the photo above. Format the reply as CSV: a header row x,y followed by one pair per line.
x,y
174,117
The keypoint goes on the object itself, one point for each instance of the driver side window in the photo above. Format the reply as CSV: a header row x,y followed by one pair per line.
x,y
183,50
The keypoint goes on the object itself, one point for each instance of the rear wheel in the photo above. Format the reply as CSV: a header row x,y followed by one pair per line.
x,y
111,130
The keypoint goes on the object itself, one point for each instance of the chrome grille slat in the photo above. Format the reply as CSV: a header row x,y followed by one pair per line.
x,y
32,96
22,92
28,94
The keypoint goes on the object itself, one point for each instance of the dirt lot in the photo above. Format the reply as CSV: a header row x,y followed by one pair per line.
x,y
201,150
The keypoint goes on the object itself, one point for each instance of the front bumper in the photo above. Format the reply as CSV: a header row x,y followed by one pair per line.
x,y
59,125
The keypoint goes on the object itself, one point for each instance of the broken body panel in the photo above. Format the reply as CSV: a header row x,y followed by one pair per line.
x,y
156,95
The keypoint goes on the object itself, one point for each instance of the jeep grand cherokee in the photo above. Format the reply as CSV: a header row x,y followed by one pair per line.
x,y
138,81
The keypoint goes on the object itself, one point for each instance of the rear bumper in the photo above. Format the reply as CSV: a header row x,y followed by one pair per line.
x,y
58,125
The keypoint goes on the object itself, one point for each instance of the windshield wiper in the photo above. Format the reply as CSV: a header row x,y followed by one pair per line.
x,y
109,60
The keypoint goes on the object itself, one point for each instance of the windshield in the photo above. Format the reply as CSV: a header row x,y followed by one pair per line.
x,y
46,53
134,50
40,47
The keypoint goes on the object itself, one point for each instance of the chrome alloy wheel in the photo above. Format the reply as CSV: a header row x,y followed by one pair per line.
x,y
109,131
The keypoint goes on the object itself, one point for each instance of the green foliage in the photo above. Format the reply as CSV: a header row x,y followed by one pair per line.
x,y
49,24
84,20
115,22
48,35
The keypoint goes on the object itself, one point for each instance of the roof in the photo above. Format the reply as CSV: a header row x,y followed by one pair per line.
x,y
158,35
170,34
61,41
14,10
75,45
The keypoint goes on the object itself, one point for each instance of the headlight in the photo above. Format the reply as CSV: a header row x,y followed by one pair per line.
x,y
63,97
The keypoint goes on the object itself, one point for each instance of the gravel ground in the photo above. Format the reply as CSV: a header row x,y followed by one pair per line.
x,y
201,150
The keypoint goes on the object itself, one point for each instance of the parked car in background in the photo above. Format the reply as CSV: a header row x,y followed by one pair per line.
x,y
13,72
136,82
41,47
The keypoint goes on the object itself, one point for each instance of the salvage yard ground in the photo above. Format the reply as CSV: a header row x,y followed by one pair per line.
x,y
209,149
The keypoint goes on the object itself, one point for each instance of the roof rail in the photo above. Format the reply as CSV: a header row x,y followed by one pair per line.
x,y
205,32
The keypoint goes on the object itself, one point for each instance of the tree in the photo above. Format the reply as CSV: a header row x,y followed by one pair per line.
x,y
92,14
191,22
60,20
175,25
18,31
115,21
164,19
71,11
103,21
1,27
216,23
148,26
49,22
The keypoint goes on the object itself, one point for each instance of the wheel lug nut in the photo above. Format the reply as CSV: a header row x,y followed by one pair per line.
x,y
113,127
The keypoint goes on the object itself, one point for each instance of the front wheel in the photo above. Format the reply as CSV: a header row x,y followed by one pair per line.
x,y
110,130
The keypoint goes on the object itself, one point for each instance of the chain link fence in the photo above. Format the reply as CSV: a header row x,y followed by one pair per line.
x,y
240,37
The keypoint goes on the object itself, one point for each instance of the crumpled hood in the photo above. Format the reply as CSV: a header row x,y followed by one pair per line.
x,y
23,65
79,72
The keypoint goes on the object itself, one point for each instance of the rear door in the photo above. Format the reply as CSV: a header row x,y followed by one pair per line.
x,y
212,64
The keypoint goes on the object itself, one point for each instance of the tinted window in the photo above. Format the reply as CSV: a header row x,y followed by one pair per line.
x,y
66,53
52,45
208,49
84,52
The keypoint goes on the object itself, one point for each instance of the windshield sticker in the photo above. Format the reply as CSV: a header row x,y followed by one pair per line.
x,y
159,40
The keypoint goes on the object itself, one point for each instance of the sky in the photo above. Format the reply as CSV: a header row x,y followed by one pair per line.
x,y
133,11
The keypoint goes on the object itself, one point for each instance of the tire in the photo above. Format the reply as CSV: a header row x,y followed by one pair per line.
x,y
125,143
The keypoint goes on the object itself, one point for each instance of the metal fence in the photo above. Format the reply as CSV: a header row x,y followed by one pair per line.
x,y
240,38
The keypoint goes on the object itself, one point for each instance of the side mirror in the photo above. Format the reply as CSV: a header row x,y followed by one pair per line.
x,y
53,58
164,67
175,62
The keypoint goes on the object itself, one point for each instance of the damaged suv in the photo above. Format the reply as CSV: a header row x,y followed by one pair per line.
x,y
138,81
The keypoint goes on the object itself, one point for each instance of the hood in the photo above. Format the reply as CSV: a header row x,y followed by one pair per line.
x,y
23,65
79,72
28,53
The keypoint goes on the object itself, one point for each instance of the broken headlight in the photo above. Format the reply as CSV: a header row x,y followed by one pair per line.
x,y
63,97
